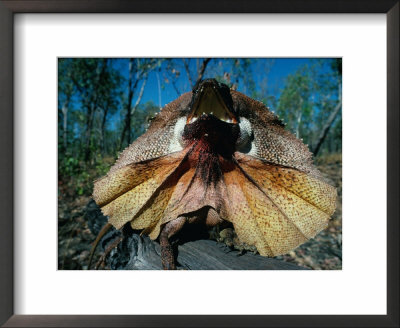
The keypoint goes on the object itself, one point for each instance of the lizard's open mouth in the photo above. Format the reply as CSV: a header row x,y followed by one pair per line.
x,y
207,100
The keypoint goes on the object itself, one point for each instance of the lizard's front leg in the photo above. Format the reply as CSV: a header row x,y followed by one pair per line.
x,y
167,253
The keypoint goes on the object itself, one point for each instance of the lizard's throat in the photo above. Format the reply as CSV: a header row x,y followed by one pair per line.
x,y
200,180
212,137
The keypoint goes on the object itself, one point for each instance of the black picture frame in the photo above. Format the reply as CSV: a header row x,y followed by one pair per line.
x,y
10,7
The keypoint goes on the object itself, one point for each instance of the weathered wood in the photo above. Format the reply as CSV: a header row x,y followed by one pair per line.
x,y
194,251
140,253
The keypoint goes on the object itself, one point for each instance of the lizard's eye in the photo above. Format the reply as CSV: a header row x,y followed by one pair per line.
x,y
176,143
244,142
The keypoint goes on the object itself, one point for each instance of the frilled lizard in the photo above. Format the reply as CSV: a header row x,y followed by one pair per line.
x,y
211,155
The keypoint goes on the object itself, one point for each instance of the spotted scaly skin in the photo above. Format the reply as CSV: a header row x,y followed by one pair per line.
x,y
215,154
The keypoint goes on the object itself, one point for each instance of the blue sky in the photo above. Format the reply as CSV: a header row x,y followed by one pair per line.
x,y
277,71
269,75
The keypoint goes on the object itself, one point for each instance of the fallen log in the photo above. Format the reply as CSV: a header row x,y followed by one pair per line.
x,y
193,248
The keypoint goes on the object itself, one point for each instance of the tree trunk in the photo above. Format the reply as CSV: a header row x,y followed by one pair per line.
x,y
92,106
159,90
127,125
186,65
326,128
103,128
65,121
138,100
202,69
89,126
298,122
298,118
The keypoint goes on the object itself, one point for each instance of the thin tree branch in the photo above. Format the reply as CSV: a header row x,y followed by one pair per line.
x,y
202,69
186,65
175,88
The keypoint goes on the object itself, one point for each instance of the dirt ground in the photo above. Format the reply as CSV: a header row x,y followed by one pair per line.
x,y
324,252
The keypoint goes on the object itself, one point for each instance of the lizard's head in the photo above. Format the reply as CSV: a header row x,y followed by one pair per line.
x,y
211,118
222,120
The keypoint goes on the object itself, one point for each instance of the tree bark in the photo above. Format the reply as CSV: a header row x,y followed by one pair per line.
x,y
132,85
89,124
103,128
64,110
139,99
202,254
159,89
127,124
186,65
326,128
298,122
91,108
202,69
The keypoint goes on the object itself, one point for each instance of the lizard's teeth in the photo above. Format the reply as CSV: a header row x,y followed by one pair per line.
x,y
226,119
193,119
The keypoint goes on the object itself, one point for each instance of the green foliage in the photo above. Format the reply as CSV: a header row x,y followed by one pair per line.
x,y
307,100
72,171
79,175
69,166
90,87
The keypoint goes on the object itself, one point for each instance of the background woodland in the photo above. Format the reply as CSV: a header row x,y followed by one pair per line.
x,y
106,103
